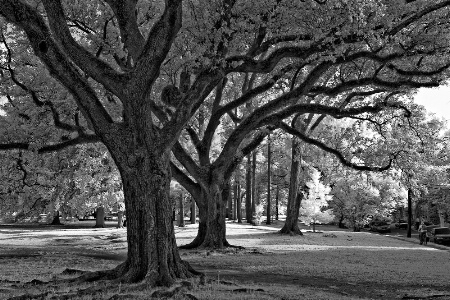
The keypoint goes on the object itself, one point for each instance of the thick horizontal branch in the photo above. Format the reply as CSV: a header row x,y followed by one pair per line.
x,y
418,72
335,152
247,64
371,81
82,139
404,23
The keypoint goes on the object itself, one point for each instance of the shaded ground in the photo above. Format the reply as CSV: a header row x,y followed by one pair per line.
x,y
334,264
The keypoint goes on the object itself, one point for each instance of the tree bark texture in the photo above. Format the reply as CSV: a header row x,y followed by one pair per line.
x,y
211,210
294,197
152,250
269,204
215,228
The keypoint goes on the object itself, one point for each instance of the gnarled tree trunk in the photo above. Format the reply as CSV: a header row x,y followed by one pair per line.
x,y
215,229
152,250
212,211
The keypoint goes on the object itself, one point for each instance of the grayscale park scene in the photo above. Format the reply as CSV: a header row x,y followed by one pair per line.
x,y
223,149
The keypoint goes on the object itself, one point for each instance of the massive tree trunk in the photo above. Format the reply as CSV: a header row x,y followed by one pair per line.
x,y
152,250
215,229
295,196
212,211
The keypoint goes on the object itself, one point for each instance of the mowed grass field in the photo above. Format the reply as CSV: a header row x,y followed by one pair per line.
x,y
331,264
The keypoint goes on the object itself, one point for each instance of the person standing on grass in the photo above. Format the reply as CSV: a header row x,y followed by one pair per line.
x,y
423,233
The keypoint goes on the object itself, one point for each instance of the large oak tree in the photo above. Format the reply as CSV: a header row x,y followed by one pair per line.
x,y
160,60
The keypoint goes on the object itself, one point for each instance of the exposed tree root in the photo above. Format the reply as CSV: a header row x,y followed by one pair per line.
x,y
198,244
292,231
128,291
235,247
192,245
69,271
36,282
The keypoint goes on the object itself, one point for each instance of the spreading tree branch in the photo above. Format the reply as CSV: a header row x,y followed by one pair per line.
x,y
335,152
94,67
39,103
186,160
82,139
191,186
155,50
57,62
131,36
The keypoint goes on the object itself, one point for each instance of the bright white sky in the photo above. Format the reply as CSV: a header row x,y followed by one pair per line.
x,y
435,100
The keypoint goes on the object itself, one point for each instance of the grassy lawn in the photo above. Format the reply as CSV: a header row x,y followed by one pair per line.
x,y
331,264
